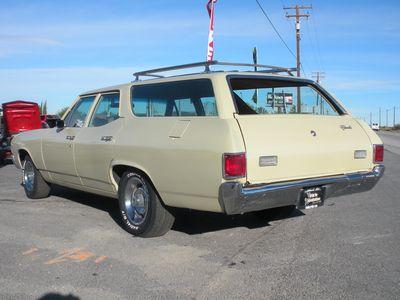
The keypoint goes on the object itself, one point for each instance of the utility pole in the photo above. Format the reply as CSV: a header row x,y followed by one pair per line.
x,y
298,15
318,76
387,117
370,118
379,117
394,116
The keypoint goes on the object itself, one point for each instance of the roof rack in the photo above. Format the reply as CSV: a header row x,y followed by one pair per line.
x,y
207,64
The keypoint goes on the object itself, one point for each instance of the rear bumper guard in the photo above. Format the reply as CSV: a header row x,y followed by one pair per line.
x,y
235,198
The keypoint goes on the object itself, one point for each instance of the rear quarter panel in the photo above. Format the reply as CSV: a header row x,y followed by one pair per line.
x,y
186,171
373,137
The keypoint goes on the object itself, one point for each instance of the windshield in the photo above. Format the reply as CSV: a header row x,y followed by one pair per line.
x,y
271,96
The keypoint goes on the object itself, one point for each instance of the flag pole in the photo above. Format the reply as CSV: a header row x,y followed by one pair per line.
x,y
210,45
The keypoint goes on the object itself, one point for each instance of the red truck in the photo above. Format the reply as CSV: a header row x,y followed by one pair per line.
x,y
49,121
18,116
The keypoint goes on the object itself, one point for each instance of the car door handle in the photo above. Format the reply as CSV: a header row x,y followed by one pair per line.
x,y
70,137
106,138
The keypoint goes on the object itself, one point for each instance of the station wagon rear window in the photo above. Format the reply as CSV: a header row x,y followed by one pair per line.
x,y
171,99
272,96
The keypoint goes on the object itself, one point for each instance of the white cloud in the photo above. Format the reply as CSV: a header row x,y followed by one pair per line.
x,y
352,84
15,44
59,86
27,39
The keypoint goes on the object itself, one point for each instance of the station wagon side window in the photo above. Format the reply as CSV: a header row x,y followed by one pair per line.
x,y
272,96
179,98
107,110
185,107
78,115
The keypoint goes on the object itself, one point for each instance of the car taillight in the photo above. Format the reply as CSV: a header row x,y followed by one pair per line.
x,y
234,165
378,153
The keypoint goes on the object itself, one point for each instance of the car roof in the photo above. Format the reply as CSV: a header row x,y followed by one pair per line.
x,y
209,75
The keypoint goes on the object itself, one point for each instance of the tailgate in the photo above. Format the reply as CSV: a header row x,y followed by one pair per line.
x,y
306,146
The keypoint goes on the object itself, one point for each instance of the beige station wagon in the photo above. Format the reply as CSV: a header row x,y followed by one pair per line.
x,y
220,141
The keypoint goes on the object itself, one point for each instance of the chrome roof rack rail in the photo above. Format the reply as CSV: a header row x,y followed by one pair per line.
x,y
207,64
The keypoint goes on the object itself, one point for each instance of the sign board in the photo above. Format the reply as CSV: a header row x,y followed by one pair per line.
x,y
276,99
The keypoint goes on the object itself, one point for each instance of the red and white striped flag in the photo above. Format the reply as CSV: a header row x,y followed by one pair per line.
x,y
210,47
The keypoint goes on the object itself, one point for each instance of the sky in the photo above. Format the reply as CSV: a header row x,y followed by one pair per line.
x,y
55,50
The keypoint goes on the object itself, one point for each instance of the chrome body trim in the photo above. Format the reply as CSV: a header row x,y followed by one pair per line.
x,y
236,198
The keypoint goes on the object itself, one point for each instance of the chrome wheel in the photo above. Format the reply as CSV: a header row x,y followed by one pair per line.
x,y
28,175
136,200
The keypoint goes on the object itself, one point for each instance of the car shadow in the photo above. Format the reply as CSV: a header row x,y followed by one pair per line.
x,y
198,222
187,221
57,296
106,204
5,162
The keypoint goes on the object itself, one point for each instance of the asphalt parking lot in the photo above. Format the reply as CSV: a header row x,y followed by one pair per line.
x,y
71,245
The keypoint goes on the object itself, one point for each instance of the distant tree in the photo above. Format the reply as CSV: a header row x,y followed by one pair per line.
x,y
43,107
255,97
62,111
261,110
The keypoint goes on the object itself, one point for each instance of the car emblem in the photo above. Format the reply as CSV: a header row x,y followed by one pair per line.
x,y
344,127
313,133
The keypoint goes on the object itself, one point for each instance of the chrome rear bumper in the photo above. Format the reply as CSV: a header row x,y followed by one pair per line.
x,y
235,198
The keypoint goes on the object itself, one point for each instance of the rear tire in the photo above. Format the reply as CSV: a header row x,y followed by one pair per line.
x,y
142,212
34,184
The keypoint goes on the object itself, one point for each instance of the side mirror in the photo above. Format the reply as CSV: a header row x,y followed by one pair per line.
x,y
60,124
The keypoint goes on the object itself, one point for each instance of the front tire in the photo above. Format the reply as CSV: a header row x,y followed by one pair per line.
x,y
142,212
34,184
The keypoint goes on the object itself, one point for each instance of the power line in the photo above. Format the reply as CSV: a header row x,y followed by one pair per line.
x,y
314,21
290,23
276,30
298,15
313,47
394,111
303,65
312,36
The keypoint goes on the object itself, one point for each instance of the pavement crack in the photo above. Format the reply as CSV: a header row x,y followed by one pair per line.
x,y
228,264
268,230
